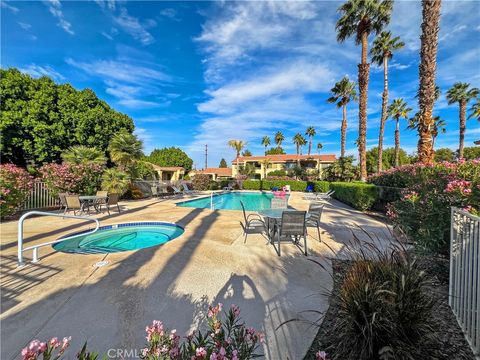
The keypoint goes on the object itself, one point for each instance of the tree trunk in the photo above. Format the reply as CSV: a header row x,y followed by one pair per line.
x,y
309,146
383,117
427,71
363,74
463,111
344,131
397,143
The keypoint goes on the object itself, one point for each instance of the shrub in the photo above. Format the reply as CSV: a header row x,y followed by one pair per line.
x,y
74,178
423,211
201,182
15,185
133,193
277,173
115,181
319,186
359,195
342,170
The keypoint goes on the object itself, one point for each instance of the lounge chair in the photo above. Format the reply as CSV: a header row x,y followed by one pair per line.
x,y
314,217
73,204
63,201
252,221
186,190
112,201
318,196
154,190
229,187
294,226
176,191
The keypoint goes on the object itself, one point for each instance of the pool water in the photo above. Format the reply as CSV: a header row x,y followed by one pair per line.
x,y
253,201
121,237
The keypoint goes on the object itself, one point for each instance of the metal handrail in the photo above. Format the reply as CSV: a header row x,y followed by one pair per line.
x,y
20,249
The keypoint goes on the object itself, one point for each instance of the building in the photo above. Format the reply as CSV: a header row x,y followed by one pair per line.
x,y
214,173
171,173
311,163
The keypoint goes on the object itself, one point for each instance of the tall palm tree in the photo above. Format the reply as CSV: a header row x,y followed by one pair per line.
x,y
279,139
266,142
238,146
360,18
265,163
427,72
461,93
342,93
398,109
299,141
439,126
125,149
319,147
475,110
310,133
82,154
381,52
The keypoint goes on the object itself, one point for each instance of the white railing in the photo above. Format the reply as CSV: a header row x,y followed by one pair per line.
x,y
464,289
40,197
35,248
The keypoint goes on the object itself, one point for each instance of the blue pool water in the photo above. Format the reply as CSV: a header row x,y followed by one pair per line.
x,y
121,237
253,201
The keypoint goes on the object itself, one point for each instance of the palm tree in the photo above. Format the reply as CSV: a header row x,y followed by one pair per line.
x,y
310,133
125,149
279,138
80,154
427,71
475,110
382,52
319,147
461,93
115,181
266,142
342,93
439,126
299,141
398,109
360,18
238,146
265,163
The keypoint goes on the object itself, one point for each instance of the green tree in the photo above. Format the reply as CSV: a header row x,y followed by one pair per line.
x,y
472,152
475,110
279,138
342,93
310,133
319,147
266,142
115,181
223,163
342,170
80,154
461,93
125,150
444,154
238,146
246,153
398,109
275,151
438,126
171,156
388,159
39,120
359,18
299,141
381,52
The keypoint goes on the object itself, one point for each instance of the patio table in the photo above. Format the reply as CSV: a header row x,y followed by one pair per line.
x,y
91,200
274,215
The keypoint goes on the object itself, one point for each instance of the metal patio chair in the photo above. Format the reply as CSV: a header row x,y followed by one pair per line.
x,y
293,226
314,216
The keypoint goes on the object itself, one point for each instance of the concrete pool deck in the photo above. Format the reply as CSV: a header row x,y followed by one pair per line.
x,y
109,306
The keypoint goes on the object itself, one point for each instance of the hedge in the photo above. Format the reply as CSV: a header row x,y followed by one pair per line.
x,y
359,195
318,186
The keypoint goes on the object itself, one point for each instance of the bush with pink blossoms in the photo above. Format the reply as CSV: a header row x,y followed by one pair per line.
x,y
15,185
49,350
82,179
429,191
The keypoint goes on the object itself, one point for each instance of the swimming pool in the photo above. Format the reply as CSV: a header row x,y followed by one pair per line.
x,y
120,237
253,201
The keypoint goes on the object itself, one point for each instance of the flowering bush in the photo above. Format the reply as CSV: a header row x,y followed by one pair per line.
x,y
15,184
50,350
201,182
423,212
74,178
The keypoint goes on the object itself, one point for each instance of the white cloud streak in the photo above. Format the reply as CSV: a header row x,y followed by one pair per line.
x,y
55,8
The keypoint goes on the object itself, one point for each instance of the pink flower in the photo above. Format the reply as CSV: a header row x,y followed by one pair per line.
x,y
214,310
321,355
200,352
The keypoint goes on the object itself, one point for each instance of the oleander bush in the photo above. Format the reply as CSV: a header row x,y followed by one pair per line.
x,y
429,191
277,173
319,186
15,185
361,196
201,182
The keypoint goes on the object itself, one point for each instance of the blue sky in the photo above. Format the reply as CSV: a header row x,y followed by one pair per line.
x,y
196,73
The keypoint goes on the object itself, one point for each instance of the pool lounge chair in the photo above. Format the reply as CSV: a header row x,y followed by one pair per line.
x,y
186,190
176,191
318,196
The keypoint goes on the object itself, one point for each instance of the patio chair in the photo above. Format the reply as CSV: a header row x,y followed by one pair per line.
x,y
279,203
314,217
73,204
112,201
176,191
186,190
294,226
252,221
154,190
104,194
229,187
63,201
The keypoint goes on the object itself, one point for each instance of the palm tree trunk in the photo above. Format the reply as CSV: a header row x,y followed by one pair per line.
x,y
309,145
427,70
344,131
384,113
397,143
463,111
363,74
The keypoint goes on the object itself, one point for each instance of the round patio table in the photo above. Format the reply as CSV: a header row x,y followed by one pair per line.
x,y
271,214
91,200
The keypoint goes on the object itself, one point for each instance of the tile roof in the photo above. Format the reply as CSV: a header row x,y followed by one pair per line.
x,y
287,157
217,171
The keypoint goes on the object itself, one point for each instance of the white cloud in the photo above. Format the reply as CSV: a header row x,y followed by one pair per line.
x,y
6,5
132,26
452,32
24,26
169,13
38,71
108,36
55,8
